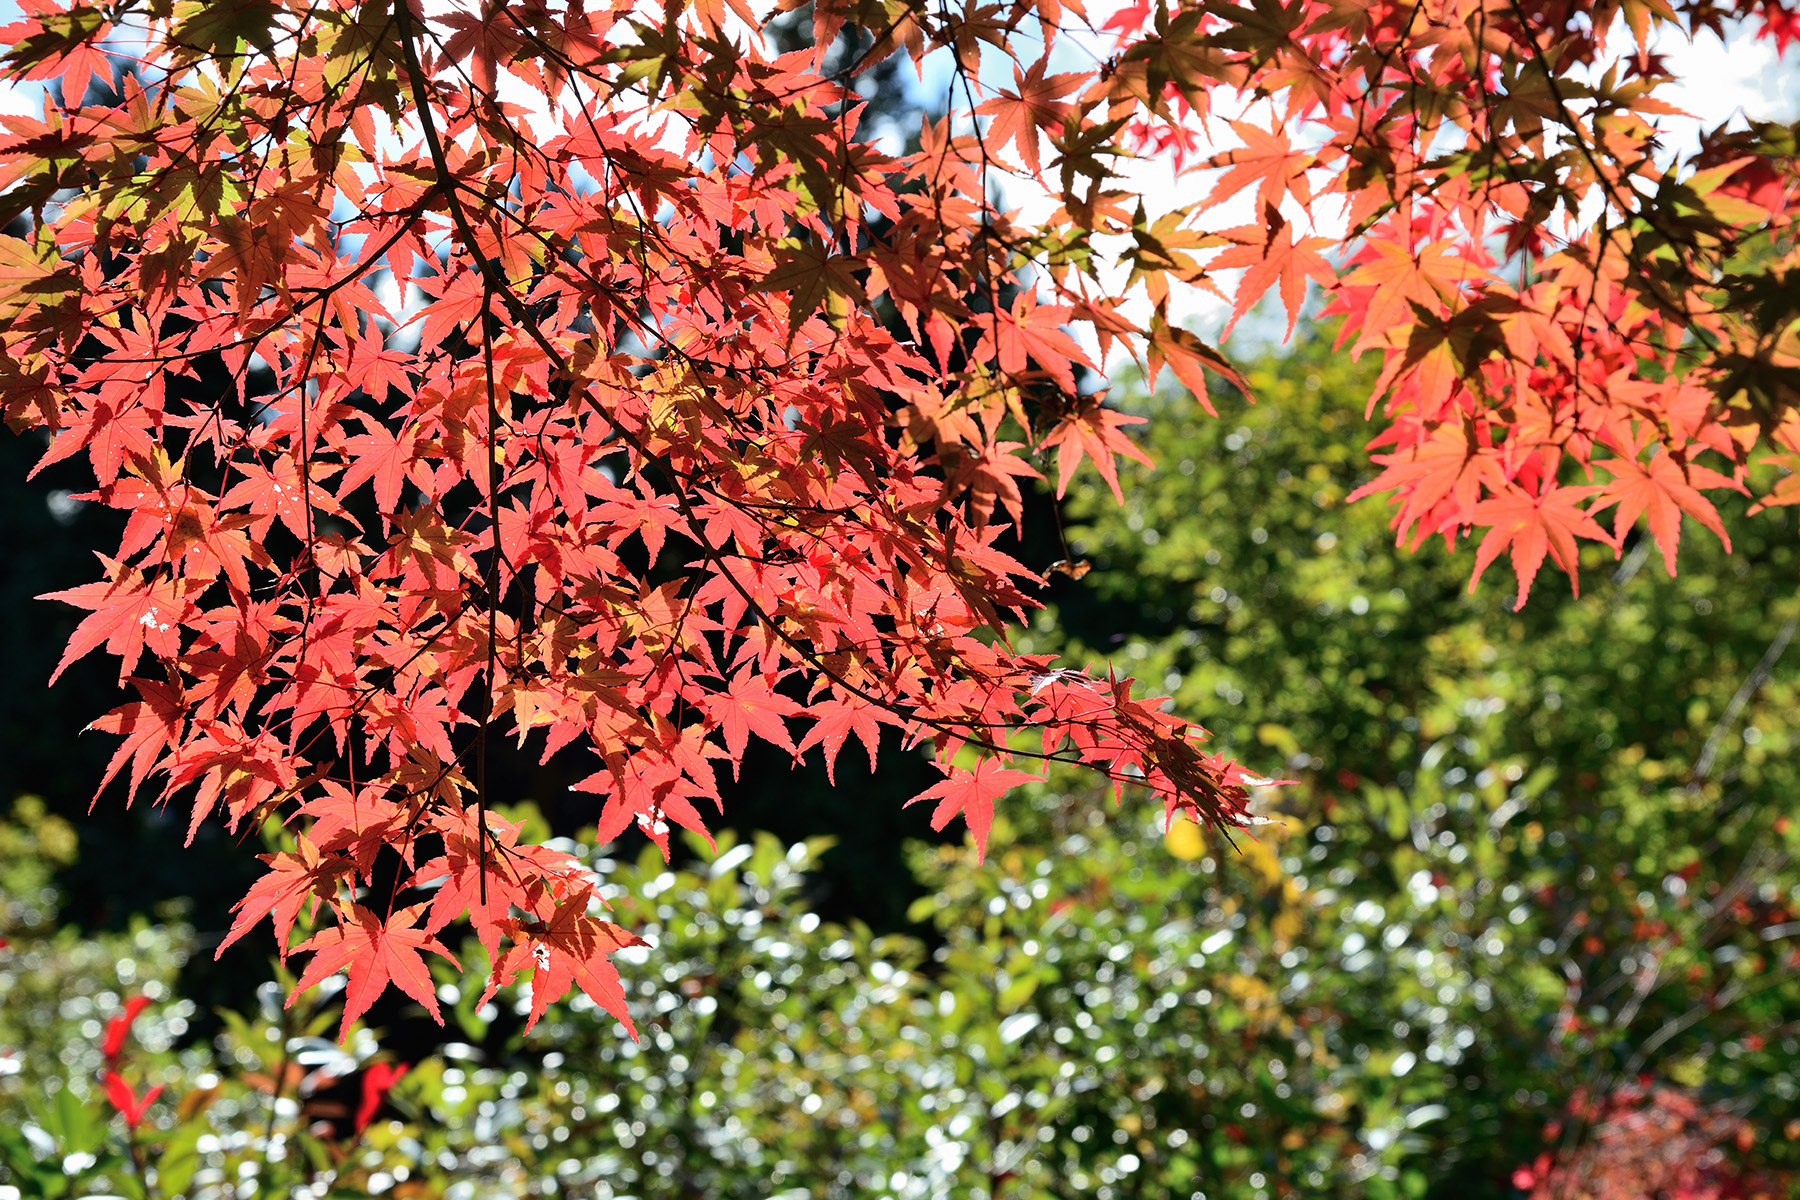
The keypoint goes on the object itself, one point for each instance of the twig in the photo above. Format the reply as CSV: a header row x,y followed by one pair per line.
x,y
1757,677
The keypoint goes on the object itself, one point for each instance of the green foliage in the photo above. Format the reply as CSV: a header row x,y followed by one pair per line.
x,y
767,1062
1548,849
56,987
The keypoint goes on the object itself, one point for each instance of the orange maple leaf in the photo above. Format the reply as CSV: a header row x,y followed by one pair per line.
x,y
1268,159
1661,490
1017,116
1270,255
1531,526
1433,277
1092,431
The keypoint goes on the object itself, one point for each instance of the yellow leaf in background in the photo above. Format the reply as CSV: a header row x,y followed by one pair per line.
x,y
1261,858
1279,737
1185,841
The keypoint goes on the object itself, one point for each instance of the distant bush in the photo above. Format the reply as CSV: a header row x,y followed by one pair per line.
x,y
1106,1016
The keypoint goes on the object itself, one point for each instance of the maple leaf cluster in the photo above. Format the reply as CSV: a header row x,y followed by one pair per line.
x,y
581,370
1581,330
659,415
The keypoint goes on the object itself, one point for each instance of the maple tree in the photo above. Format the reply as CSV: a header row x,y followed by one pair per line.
x,y
592,373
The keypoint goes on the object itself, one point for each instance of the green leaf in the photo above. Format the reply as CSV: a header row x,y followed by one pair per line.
x,y
1017,993
180,1159
213,30
75,1124
813,276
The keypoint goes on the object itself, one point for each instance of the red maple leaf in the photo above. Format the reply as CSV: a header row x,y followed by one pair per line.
x,y
382,456
294,881
750,705
570,950
374,953
130,615
486,883
834,721
151,727
972,794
